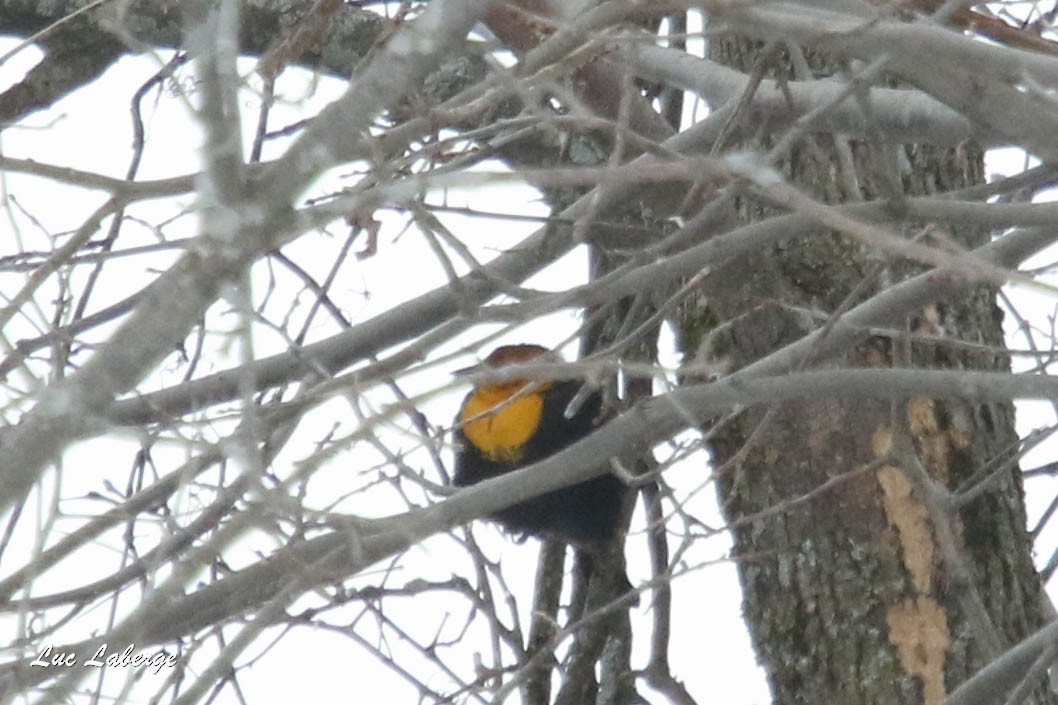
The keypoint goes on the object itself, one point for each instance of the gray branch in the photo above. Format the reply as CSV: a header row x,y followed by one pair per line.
x,y
1006,92
344,552
175,301
903,115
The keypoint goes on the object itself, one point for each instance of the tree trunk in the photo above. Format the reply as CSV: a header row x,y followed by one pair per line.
x,y
864,593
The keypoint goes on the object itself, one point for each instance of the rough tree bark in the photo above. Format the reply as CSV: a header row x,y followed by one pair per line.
x,y
871,592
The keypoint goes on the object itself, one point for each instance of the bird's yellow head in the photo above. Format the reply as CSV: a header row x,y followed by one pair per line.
x,y
499,418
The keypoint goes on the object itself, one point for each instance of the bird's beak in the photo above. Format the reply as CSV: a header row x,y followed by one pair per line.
x,y
466,371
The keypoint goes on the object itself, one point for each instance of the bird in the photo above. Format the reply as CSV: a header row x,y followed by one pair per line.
x,y
506,425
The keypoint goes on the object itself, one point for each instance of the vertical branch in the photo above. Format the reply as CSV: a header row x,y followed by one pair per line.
x,y
544,623
212,38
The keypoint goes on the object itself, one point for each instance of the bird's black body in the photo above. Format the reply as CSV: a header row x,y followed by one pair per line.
x,y
587,512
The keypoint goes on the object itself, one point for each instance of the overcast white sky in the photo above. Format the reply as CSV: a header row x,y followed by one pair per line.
x,y
91,130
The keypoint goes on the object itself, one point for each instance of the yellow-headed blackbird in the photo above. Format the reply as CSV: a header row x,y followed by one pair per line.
x,y
507,425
